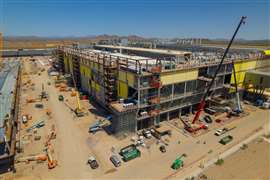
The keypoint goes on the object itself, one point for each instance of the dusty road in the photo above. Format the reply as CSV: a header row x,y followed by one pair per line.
x,y
73,146
251,163
70,144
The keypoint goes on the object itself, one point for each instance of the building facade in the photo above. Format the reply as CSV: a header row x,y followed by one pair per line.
x,y
143,87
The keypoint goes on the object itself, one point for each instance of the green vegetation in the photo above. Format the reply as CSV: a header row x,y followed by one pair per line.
x,y
219,162
244,146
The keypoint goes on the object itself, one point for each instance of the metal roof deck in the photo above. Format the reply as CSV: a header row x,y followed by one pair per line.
x,y
158,51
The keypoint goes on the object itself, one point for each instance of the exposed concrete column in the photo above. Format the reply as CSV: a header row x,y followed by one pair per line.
x,y
168,116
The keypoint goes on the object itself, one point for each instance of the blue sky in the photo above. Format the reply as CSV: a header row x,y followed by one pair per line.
x,y
149,18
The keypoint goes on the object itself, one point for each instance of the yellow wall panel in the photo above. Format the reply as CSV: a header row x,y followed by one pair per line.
x,y
127,77
241,68
122,76
93,84
130,79
180,76
85,70
97,87
66,63
69,59
122,90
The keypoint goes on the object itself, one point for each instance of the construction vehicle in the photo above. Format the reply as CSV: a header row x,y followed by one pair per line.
x,y
98,125
220,132
52,163
178,162
190,127
238,108
44,94
27,159
130,152
79,111
37,125
61,97
93,162
51,136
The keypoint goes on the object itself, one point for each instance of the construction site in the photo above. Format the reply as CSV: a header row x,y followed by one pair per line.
x,y
153,85
103,111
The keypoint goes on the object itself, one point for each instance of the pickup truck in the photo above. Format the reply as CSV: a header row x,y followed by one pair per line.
x,y
224,130
221,131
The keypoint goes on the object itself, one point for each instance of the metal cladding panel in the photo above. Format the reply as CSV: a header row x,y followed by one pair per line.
x,y
263,65
267,52
178,76
122,89
122,76
66,64
86,71
241,68
100,94
97,87
131,79
84,83
127,77
258,78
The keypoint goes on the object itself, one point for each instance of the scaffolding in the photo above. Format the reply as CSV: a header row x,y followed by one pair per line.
x,y
150,92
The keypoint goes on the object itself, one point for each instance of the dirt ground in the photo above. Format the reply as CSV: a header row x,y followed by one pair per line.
x,y
73,144
250,163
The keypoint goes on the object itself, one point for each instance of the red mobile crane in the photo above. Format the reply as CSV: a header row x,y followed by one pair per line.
x,y
190,127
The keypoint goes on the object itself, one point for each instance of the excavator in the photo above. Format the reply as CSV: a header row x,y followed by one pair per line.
x,y
192,127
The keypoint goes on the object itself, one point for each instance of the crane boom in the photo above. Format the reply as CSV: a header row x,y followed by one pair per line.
x,y
202,103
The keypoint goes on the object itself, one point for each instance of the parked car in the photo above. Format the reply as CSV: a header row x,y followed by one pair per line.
x,y
115,160
221,131
147,133
207,119
92,162
162,148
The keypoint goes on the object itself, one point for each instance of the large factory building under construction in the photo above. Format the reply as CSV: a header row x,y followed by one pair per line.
x,y
143,87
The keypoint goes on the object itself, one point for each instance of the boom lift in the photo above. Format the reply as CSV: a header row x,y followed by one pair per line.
x,y
79,110
237,97
190,127
43,94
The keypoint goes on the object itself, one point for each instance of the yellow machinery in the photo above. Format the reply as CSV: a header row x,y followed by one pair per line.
x,y
78,110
